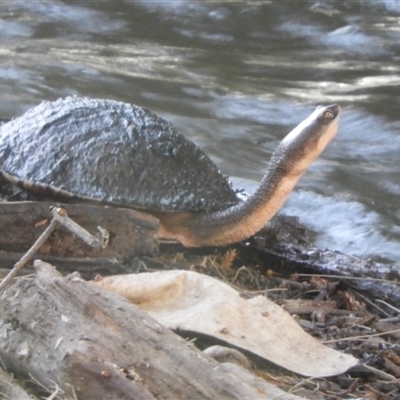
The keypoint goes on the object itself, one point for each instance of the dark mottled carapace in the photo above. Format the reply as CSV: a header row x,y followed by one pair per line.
x,y
114,152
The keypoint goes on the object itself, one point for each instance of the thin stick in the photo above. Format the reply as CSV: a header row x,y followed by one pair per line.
x,y
371,303
354,278
388,305
380,373
60,217
355,338
29,254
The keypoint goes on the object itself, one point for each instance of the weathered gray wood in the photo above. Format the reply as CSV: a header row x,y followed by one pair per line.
x,y
131,232
97,344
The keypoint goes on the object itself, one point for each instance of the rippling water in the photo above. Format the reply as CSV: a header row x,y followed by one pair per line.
x,y
235,78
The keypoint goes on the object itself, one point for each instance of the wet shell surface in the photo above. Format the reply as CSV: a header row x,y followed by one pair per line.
x,y
114,152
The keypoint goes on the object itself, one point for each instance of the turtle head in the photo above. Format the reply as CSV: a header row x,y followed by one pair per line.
x,y
307,141
325,125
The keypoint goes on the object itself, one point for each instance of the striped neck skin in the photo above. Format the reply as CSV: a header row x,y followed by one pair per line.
x,y
288,163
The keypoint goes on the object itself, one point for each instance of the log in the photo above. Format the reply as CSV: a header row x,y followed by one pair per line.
x,y
95,345
378,281
283,246
131,232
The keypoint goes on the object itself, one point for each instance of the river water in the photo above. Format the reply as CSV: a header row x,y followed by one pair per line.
x,y
235,77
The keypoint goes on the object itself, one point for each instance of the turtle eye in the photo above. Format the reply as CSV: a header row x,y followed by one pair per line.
x,y
328,114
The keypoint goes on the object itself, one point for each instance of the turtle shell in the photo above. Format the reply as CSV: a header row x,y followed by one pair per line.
x,y
113,152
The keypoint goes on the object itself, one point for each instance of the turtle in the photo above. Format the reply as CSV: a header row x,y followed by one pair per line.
x,y
83,149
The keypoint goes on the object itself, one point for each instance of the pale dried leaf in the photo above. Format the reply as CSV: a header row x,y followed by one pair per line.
x,y
194,302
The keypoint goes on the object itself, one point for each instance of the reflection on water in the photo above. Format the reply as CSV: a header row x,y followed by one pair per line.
x,y
236,77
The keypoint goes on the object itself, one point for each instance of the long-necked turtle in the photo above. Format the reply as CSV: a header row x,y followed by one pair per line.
x,y
91,149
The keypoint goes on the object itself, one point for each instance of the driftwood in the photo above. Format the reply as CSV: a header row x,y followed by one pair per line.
x,y
130,232
95,345
377,280
283,246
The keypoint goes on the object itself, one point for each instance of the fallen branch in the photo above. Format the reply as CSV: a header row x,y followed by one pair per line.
x,y
95,344
60,217
35,247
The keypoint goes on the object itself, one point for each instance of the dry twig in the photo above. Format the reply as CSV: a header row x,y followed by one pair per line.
x,y
60,217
